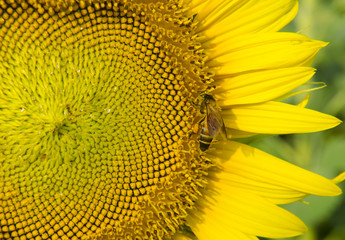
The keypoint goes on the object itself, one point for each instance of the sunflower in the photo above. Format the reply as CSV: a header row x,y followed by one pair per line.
x,y
112,115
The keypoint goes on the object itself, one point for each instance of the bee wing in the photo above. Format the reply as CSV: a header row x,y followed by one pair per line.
x,y
224,134
214,121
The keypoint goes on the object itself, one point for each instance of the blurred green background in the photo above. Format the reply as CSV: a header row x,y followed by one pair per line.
x,y
324,152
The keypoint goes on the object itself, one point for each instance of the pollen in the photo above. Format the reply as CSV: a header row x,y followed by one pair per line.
x,y
97,118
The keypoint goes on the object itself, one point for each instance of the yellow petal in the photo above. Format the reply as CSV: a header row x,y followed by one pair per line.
x,y
262,52
304,101
235,133
339,178
229,209
216,231
276,118
234,18
274,193
260,86
209,11
272,178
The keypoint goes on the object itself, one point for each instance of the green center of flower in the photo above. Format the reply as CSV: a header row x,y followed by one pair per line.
x,y
95,119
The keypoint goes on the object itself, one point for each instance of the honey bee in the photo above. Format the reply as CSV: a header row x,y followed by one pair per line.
x,y
212,123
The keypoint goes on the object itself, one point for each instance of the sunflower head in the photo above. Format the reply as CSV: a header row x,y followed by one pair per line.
x,y
110,113
98,108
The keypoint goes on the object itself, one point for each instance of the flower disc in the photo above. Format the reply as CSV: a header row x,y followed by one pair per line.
x,y
95,119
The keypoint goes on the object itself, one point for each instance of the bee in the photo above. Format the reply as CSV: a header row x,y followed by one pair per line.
x,y
212,123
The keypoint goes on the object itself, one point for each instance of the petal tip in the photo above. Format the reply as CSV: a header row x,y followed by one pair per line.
x,y
339,178
336,121
321,44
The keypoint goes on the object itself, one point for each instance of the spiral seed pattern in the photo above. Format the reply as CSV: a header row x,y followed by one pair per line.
x,y
96,118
